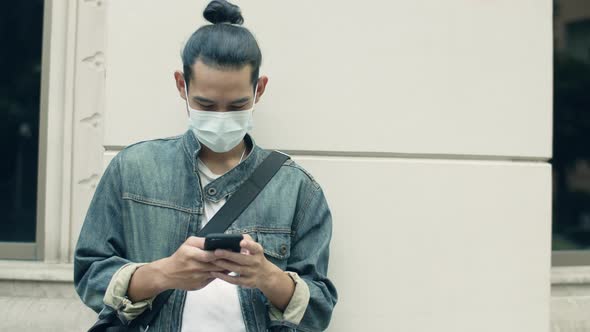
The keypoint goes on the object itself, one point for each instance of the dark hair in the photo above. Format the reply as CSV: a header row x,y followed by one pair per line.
x,y
222,44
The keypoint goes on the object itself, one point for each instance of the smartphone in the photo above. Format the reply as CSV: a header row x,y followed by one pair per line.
x,y
223,241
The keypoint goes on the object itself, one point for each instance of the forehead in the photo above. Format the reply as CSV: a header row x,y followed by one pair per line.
x,y
210,78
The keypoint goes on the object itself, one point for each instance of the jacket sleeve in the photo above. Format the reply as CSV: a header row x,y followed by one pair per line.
x,y
309,259
297,305
116,294
100,251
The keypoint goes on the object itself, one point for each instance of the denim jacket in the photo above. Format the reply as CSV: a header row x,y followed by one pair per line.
x,y
149,201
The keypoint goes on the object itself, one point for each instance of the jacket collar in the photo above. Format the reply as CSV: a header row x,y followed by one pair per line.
x,y
228,183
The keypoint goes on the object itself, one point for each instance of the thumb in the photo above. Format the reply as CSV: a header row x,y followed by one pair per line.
x,y
195,241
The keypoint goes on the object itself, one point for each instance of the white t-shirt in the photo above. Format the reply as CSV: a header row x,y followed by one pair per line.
x,y
215,307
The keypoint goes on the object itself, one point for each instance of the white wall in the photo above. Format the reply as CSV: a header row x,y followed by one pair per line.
x,y
454,77
411,115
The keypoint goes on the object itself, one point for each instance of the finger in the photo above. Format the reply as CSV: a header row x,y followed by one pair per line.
x,y
233,256
244,250
229,266
213,268
203,255
228,278
203,276
203,267
253,247
195,241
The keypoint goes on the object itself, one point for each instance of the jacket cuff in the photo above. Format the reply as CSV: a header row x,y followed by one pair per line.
x,y
297,305
116,294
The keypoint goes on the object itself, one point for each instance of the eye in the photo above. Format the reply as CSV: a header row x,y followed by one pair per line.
x,y
205,106
239,107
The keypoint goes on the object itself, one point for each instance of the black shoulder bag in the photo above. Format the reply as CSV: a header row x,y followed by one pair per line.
x,y
232,209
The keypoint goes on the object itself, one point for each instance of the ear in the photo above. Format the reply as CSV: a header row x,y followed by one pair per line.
x,y
179,80
262,82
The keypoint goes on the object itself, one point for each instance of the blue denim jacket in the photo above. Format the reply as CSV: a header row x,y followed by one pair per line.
x,y
149,201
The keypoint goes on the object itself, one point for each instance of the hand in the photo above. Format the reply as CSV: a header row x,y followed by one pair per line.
x,y
251,266
190,267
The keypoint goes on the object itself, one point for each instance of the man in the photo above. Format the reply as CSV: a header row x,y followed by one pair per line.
x,y
138,236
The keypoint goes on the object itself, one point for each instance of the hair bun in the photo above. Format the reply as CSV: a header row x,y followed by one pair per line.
x,y
221,11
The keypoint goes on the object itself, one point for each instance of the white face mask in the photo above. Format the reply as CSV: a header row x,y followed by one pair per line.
x,y
220,131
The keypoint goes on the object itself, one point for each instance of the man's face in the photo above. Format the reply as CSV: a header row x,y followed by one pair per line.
x,y
219,90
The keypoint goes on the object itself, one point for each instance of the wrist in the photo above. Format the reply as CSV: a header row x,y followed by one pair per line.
x,y
161,280
277,286
271,279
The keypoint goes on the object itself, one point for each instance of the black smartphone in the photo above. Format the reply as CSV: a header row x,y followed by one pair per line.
x,y
223,241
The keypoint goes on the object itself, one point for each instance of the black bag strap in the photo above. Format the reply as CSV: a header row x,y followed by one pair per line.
x,y
247,192
228,213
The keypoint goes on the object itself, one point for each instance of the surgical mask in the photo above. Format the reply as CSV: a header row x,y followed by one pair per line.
x,y
220,131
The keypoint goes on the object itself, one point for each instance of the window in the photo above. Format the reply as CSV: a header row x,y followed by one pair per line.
x,y
571,145
21,30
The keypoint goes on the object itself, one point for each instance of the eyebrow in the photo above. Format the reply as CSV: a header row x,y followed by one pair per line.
x,y
209,101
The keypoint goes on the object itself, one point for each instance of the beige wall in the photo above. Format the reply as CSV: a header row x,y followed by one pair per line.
x,y
428,124
419,77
